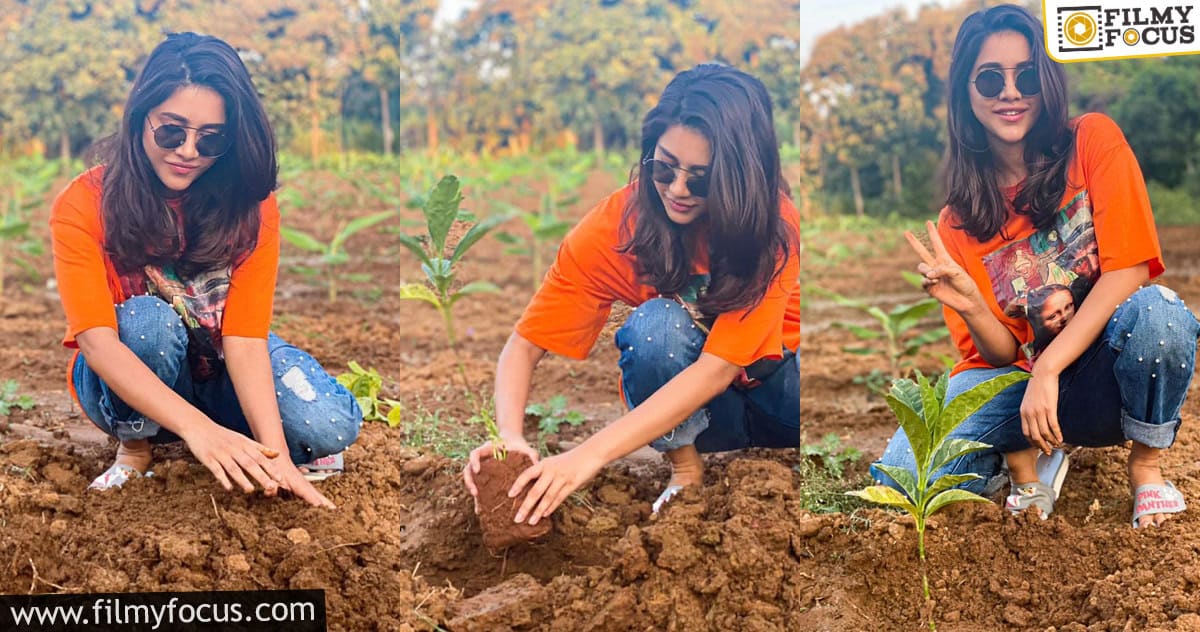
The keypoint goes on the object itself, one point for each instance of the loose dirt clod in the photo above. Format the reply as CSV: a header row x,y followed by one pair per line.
x,y
497,510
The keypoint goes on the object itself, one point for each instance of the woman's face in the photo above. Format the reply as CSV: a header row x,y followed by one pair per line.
x,y
193,106
690,153
1008,116
1058,310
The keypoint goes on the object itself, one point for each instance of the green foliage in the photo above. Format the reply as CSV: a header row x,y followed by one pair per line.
x,y
832,454
365,385
23,187
9,398
331,253
1174,207
553,413
927,421
441,209
895,328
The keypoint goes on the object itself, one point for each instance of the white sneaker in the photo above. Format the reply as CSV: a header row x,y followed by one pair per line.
x,y
324,467
1052,469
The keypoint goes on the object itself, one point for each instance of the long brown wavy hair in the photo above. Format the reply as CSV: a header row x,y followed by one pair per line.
x,y
746,233
221,208
969,173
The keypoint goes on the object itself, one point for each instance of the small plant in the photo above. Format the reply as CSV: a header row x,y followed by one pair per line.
x,y
927,421
331,254
9,398
832,454
441,290
365,385
552,414
894,328
544,228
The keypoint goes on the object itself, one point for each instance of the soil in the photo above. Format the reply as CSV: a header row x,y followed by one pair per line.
x,y
497,510
744,551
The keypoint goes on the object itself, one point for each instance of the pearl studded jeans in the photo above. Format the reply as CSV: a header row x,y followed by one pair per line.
x,y
320,417
659,340
1128,385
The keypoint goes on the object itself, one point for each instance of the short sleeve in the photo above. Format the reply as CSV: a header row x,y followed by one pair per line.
x,y
252,284
79,260
568,312
1125,231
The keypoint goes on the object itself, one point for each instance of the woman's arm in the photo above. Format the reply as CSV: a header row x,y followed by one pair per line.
x,y
227,454
557,477
1039,408
249,366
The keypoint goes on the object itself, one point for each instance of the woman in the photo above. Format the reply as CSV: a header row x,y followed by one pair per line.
x,y
166,259
704,244
1020,174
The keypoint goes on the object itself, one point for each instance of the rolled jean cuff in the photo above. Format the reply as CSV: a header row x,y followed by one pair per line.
x,y
138,426
684,434
1159,436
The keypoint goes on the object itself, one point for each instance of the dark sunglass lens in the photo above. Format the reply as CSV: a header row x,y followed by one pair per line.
x,y
1028,83
698,187
661,172
169,136
212,145
989,83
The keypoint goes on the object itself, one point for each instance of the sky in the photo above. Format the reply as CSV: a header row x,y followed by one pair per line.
x,y
821,16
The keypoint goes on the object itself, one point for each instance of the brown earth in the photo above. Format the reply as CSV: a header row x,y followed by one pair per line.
x,y
404,551
496,510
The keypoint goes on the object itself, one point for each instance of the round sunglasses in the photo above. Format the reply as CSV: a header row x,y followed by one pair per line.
x,y
663,172
172,136
990,82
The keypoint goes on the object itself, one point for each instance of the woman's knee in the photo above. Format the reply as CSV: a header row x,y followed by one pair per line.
x,y
150,328
1155,323
320,416
660,332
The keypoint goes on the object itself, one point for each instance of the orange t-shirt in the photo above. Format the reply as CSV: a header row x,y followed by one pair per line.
x,y
1034,280
569,311
90,286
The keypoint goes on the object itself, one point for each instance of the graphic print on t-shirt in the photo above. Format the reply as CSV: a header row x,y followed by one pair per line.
x,y
1045,277
200,303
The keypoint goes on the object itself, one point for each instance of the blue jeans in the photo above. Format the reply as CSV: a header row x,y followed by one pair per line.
x,y
1130,384
659,340
320,417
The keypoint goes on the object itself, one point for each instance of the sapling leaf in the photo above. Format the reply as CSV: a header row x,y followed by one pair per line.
x,y
904,317
414,245
884,495
476,287
860,332
903,478
913,425
951,449
947,481
441,209
951,496
476,233
967,403
860,350
357,225
931,410
420,292
301,239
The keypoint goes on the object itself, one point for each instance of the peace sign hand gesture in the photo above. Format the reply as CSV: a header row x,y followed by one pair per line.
x,y
943,278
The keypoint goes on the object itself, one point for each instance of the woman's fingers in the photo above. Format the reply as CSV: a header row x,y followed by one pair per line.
x,y
549,501
922,251
939,248
231,467
534,496
218,473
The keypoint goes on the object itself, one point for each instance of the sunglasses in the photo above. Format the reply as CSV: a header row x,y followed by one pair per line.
x,y
990,83
663,172
208,144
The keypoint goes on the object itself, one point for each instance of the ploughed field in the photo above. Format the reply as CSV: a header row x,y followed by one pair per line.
x,y
403,551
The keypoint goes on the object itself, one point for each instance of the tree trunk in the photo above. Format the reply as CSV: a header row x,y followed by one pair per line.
x,y
598,137
897,183
64,148
315,122
386,121
856,186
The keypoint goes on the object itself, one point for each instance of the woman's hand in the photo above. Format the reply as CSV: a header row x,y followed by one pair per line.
x,y
230,455
511,444
1039,412
553,479
293,480
943,278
